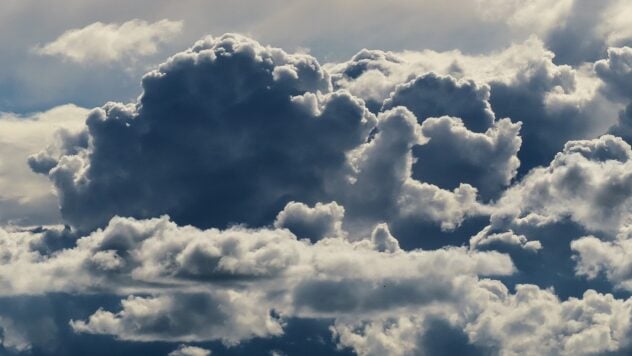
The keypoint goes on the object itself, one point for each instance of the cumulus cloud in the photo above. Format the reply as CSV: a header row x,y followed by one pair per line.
x,y
323,220
246,117
248,187
107,43
487,161
610,257
616,72
433,96
276,133
26,198
532,321
236,284
487,239
555,103
588,182
227,316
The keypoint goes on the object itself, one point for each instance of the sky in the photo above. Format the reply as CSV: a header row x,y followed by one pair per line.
x,y
194,178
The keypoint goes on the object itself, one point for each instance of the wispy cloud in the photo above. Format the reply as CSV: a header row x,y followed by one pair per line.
x,y
107,43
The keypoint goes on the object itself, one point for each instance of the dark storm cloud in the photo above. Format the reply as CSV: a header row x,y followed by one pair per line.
x,y
431,95
222,134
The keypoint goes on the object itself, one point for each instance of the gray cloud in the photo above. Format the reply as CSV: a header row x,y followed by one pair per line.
x,y
616,71
227,111
454,155
531,321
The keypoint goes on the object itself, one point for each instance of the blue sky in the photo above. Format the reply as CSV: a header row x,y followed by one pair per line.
x,y
312,178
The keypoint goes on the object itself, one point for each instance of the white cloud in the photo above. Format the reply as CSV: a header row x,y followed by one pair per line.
x,y
588,182
532,321
184,350
26,197
223,284
107,43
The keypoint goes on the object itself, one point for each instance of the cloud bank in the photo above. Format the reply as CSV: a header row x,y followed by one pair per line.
x,y
400,203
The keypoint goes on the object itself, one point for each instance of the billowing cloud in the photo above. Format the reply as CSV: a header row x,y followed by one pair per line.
x,y
487,161
26,198
616,71
555,103
588,182
106,43
228,316
399,202
236,284
532,321
433,96
323,220
610,257
246,117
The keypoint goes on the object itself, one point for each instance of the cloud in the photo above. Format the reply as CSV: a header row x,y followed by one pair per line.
x,y
320,145
588,30
184,350
555,103
610,257
273,139
228,316
186,284
531,321
487,161
616,72
108,43
248,187
588,182
323,220
534,16
430,95
26,198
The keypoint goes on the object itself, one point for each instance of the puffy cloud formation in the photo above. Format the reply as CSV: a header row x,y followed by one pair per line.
x,y
228,316
412,202
107,43
433,96
276,133
532,321
323,220
229,111
235,284
521,82
616,71
610,257
26,198
588,182
487,161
